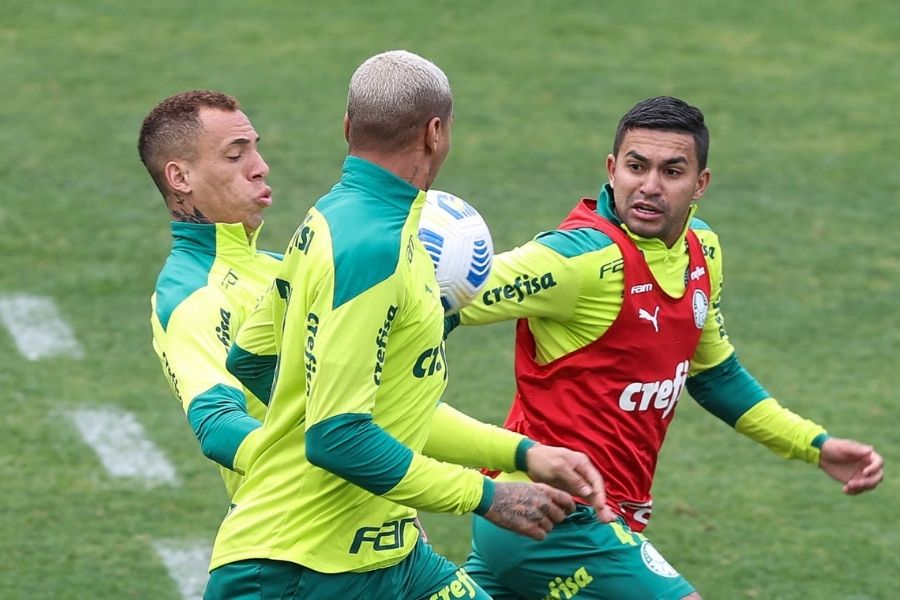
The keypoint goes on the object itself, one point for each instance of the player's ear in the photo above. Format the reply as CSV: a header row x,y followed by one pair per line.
x,y
433,132
611,169
347,127
177,177
702,183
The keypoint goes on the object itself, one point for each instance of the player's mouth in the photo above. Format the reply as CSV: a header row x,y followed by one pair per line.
x,y
646,210
265,198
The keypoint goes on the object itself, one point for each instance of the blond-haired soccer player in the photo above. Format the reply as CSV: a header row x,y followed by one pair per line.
x,y
354,430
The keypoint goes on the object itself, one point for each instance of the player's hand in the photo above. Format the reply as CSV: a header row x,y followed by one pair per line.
x,y
854,464
530,509
569,471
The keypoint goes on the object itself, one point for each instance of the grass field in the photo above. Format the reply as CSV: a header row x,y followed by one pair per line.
x,y
801,99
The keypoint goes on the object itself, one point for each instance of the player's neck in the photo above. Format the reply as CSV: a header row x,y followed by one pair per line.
x,y
410,166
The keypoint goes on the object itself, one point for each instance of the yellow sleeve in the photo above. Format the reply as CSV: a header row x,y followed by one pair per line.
x,y
530,281
457,438
782,431
193,348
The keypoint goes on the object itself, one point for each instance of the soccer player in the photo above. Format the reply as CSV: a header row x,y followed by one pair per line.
x,y
202,152
353,442
619,311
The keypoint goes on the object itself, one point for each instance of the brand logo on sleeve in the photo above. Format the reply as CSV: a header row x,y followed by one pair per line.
x,y
522,286
381,343
303,237
309,357
223,331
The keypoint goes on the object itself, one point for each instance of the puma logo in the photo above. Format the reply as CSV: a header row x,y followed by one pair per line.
x,y
643,314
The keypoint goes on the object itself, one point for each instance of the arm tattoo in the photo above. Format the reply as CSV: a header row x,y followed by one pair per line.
x,y
519,500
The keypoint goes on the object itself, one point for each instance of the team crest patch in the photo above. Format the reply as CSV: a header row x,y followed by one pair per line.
x,y
655,561
701,307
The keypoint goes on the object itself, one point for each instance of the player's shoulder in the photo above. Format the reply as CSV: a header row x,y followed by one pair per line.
x,y
709,238
269,255
700,227
182,277
571,243
366,239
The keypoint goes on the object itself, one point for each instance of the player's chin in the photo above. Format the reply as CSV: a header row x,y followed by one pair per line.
x,y
254,220
644,228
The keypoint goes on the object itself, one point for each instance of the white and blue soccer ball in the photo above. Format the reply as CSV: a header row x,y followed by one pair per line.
x,y
460,245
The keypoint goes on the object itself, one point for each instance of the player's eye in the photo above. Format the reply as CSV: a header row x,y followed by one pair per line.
x,y
233,158
635,166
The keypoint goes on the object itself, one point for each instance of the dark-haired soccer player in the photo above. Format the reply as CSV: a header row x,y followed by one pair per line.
x,y
619,311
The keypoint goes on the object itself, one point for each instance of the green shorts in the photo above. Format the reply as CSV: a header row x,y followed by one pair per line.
x,y
423,575
581,558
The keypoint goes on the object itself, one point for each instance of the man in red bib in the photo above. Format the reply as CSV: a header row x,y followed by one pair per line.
x,y
618,311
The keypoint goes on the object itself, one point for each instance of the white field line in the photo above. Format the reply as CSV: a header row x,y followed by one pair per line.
x,y
122,445
37,327
188,565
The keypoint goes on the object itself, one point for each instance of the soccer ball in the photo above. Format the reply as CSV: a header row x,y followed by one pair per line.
x,y
460,245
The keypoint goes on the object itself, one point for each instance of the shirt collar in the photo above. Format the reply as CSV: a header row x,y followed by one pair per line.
x,y
223,239
377,181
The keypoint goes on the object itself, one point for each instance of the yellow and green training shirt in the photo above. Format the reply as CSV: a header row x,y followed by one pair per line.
x,y
211,281
340,465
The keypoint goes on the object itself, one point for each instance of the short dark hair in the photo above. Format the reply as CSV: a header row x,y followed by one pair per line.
x,y
666,113
172,126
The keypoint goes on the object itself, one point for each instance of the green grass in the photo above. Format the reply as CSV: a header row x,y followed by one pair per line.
x,y
801,99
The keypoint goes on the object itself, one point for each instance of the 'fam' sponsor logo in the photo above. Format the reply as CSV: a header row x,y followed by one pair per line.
x,y
522,286
642,288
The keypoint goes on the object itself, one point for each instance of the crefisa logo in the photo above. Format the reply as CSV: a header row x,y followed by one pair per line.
x,y
701,307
